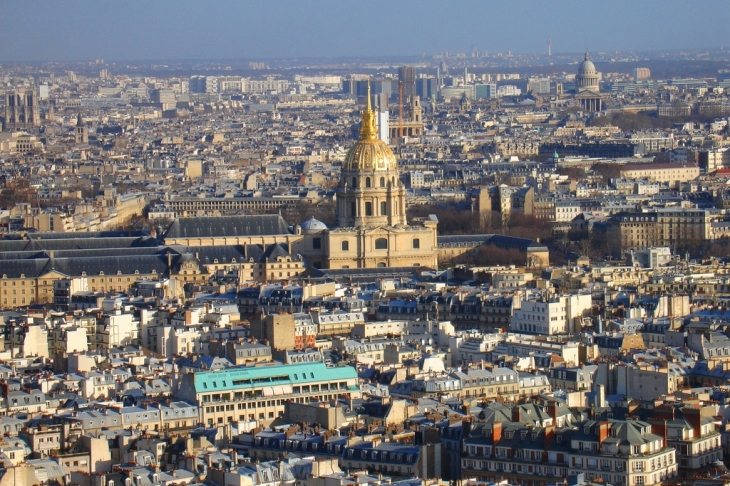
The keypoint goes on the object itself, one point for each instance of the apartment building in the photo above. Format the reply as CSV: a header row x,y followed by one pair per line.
x,y
632,231
550,315
260,393
669,173
691,432
621,452
684,226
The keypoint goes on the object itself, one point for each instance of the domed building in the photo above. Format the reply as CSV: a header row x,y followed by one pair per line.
x,y
371,230
587,85
587,78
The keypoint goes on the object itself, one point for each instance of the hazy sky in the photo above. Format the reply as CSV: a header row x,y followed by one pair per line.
x,y
209,29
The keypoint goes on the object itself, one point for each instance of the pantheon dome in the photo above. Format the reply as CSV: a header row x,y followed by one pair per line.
x,y
587,78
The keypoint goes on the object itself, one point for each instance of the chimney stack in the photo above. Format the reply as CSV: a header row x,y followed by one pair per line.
x,y
496,431
552,408
694,417
549,436
604,428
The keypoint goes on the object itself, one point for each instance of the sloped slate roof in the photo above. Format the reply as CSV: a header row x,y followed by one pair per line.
x,y
208,254
56,244
244,225
274,251
92,265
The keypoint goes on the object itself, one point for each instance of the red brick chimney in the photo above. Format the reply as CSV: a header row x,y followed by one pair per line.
x,y
664,412
552,408
604,428
659,427
692,415
496,432
549,436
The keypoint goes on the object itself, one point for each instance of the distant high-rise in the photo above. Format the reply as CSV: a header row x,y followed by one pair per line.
x,y
382,116
427,87
483,91
642,73
407,76
21,110
203,84
538,85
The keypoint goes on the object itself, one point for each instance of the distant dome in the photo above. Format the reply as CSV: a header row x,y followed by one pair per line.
x,y
587,78
313,224
587,67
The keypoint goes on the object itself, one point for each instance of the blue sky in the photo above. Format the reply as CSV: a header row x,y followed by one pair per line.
x,y
227,29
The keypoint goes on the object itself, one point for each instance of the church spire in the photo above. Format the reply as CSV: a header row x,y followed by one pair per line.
x,y
369,128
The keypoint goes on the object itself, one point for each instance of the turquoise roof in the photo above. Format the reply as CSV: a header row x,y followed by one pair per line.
x,y
250,377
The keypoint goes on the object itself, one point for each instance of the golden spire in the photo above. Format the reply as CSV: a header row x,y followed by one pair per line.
x,y
369,127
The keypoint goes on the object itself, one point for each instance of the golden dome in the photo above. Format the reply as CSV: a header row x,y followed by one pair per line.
x,y
369,153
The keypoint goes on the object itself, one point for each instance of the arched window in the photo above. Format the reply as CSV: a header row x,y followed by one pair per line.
x,y
381,244
354,182
382,182
368,209
381,265
345,246
367,182
416,243
353,209
383,208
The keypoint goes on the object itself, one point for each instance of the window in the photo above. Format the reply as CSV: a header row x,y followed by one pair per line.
x,y
381,244
367,182
317,243
416,243
354,182
383,208
368,209
353,209
381,265
345,246
382,182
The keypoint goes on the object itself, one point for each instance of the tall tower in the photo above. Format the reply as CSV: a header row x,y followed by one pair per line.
x,y
370,192
407,76
550,45
81,135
